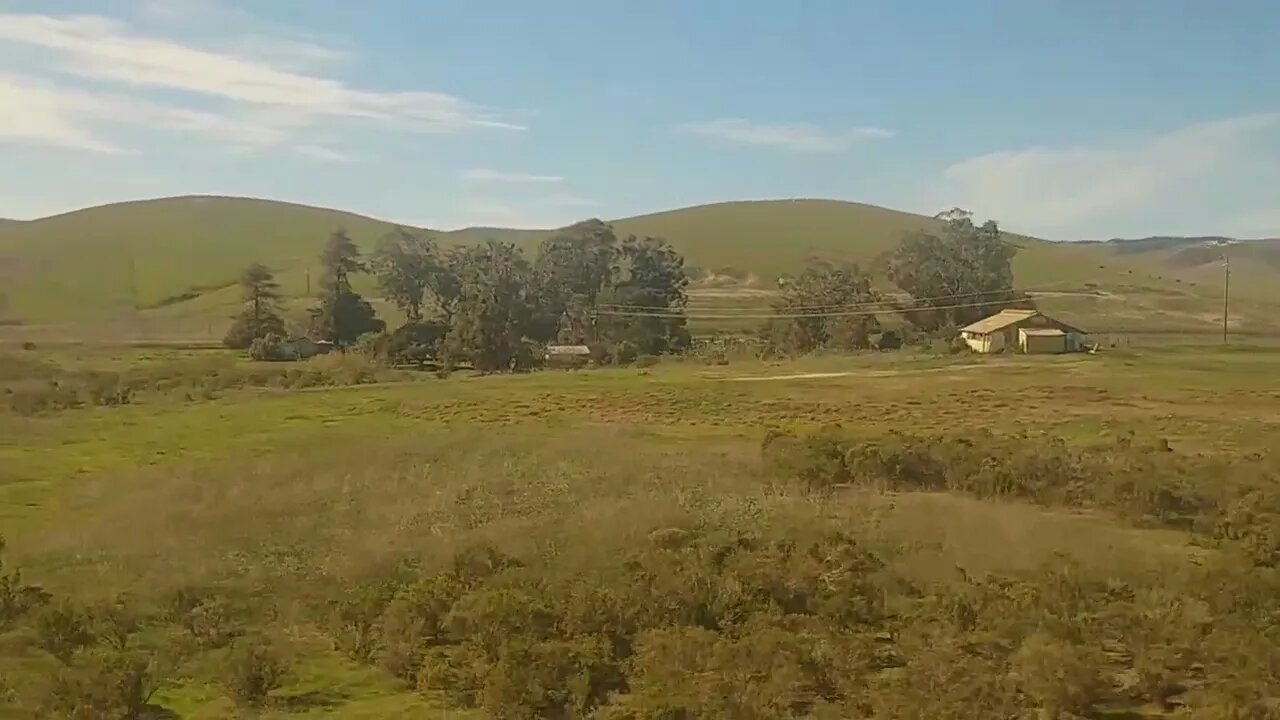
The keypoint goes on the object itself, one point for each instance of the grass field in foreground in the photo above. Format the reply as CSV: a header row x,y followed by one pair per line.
x,y
287,494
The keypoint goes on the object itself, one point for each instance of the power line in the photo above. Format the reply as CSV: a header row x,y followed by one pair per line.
x,y
770,316
887,300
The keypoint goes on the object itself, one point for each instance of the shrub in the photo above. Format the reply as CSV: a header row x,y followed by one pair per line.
x,y
115,622
624,353
413,621
356,617
456,671
554,679
210,619
646,361
35,397
253,669
108,390
1253,522
105,684
268,348
1061,677
245,330
62,630
17,598
815,462
889,340
768,672
415,342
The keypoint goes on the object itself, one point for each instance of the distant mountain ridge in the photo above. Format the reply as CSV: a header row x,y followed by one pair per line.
x,y
1172,242
180,256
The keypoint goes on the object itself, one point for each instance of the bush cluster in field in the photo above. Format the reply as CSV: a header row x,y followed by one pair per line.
x,y
756,623
109,659
1229,499
732,611
30,387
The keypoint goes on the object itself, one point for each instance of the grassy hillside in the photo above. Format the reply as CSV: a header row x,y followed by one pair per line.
x,y
87,262
176,260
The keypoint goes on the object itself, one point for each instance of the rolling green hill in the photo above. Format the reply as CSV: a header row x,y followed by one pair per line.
x,y
175,260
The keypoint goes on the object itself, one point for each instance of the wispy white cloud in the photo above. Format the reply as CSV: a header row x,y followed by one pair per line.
x,y
486,175
35,115
567,200
323,154
244,34
1077,192
247,97
799,137
36,112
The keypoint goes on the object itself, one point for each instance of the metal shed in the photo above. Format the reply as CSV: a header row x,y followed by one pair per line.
x,y
1042,340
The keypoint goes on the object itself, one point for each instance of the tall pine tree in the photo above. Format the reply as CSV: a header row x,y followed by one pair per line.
x,y
261,314
342,315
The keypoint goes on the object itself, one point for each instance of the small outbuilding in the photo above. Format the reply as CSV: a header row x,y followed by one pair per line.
x,y
568,355
1027,331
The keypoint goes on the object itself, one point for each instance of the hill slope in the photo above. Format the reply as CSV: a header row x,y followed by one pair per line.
x,y
177,258
766,237
102,258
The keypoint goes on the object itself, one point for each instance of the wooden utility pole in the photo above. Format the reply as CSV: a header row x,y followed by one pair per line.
x,y
1226,291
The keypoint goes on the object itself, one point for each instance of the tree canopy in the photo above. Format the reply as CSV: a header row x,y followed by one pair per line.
x,y
959,274
405,264
827,305
342,315
261,314
491,306
494,306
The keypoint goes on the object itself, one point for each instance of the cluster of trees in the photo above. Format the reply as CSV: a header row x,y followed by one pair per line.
x,y
953,275
491,306
488,304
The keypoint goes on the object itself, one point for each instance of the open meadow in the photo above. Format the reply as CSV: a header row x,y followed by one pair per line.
x,y
901,535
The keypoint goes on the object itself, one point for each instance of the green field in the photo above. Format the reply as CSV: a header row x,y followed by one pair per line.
x,y
1110,546
166,268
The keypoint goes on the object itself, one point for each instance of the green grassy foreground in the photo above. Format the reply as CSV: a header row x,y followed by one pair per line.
x,y
284,500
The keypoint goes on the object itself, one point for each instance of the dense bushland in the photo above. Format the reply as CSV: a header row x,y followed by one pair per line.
x,y
31,387
1229,499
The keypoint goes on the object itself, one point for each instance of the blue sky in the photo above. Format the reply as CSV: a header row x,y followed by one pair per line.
x,y
1070,119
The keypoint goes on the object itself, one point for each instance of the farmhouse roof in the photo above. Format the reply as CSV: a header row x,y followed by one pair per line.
x,y
1010,316
999,321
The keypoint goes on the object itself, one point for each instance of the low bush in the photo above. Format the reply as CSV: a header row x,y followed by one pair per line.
x,y
62,630
1149,483
104,684
253,669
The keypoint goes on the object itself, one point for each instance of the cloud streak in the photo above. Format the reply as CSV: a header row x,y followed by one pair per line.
x,y
1071,191
796,137
251,99
486,175
323,154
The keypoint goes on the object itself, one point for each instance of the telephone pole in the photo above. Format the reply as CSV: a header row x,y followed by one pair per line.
x,y
1226,290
